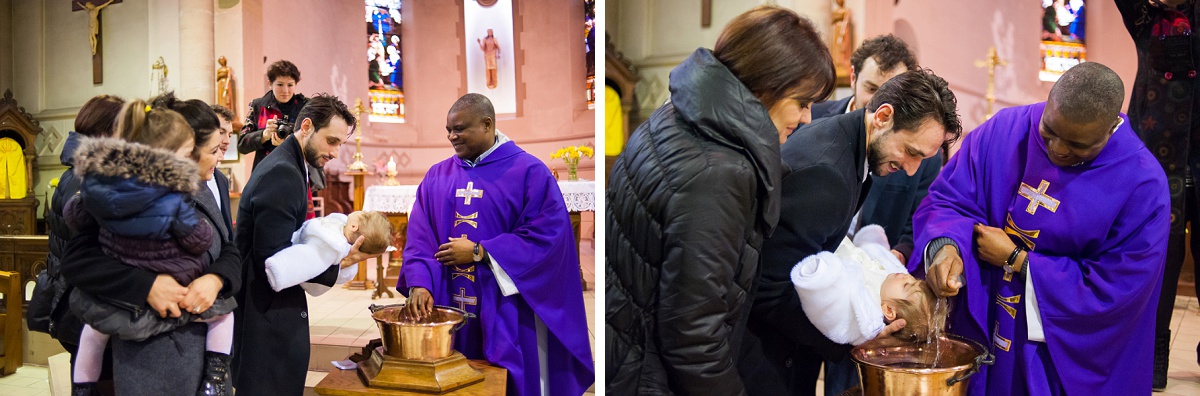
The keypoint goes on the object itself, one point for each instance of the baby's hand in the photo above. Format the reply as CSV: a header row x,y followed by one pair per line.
x,y
891,328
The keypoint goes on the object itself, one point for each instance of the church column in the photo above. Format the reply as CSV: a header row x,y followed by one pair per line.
x,y
196,61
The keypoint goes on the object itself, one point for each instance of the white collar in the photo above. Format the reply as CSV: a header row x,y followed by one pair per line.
x,y
500,139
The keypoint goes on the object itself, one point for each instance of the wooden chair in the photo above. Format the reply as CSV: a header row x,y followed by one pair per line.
x,y
10,321
319,206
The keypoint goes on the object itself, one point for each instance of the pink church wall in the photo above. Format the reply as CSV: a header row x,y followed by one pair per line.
x,y
323,40
326,40
949,36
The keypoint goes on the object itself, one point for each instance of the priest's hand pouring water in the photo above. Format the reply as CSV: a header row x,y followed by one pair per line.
x,y
944,274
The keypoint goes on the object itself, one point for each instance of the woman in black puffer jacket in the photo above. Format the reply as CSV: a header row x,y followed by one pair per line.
x,y
97,118
692,197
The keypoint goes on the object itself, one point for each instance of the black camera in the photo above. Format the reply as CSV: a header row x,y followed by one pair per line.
x,y
283,127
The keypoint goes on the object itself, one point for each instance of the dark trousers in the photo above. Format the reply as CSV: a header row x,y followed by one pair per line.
x,y
773,365
840,376
1176,252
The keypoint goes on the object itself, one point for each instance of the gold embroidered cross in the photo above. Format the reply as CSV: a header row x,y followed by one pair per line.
x,y
468,193
1038,197
463,299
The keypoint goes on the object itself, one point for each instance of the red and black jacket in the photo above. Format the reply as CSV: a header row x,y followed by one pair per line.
x,y
262,110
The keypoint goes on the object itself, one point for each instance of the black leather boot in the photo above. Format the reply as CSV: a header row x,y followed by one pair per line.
x,y
1162,352
216,375
84,389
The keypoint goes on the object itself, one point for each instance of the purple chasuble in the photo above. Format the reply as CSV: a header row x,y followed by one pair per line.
x,y
1096,234
511,204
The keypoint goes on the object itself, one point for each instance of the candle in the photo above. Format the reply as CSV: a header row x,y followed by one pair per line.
x,y
391,166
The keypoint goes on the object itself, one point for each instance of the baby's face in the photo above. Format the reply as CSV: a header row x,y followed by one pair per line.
x,y
353,221
899,287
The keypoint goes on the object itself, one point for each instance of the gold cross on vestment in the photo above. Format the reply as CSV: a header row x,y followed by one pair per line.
x,y
468,193
1038,197
463,299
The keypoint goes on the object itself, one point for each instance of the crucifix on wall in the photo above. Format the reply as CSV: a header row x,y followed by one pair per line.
x,y
93,8
705,13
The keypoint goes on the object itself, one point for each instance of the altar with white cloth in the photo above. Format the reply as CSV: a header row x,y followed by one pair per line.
x,y
397,202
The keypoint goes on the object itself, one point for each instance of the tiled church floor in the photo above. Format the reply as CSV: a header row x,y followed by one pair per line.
x,y
340,325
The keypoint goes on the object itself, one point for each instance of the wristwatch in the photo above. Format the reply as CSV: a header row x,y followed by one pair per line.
x,y
1012,259
477,253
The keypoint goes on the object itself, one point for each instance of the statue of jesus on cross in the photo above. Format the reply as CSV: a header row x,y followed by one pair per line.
x,y
94,20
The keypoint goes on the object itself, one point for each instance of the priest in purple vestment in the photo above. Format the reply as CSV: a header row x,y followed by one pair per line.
x,y
1055,215
490,234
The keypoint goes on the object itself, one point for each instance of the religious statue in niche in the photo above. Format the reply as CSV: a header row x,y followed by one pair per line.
x,y
158,77
491,53
843,39
224,84
93,20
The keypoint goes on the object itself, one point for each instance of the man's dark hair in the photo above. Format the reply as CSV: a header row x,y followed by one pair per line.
x,y
321,108
199,116
1088,92
98,117
918,94
777,54
283,68
224,112
888,52
475,103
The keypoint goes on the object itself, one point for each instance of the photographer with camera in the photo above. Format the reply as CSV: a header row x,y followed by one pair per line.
x,y
271,116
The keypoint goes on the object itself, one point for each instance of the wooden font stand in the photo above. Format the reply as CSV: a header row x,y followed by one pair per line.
x,y
360,281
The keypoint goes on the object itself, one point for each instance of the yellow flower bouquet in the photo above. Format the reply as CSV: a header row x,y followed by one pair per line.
x,y
571,155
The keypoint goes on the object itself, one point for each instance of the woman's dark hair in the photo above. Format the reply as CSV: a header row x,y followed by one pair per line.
x,y
98,117
283,68
199,116
777,54
916,95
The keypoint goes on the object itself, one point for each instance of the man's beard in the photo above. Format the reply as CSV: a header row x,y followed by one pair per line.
x,y
311,155
875,155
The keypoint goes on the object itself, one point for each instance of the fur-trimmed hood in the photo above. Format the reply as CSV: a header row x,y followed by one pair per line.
x,y
123,159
